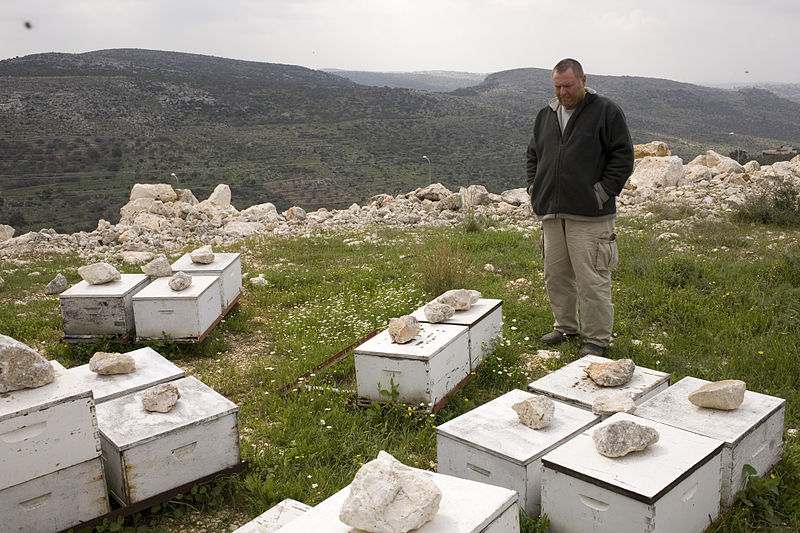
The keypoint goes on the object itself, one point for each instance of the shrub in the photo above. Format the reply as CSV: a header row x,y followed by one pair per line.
x,y
445,266
778,205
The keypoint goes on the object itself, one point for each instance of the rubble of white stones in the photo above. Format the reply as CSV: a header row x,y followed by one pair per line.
x,y
159,217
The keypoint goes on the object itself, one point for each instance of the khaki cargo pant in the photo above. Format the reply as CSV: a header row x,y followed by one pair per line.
x,y
578,259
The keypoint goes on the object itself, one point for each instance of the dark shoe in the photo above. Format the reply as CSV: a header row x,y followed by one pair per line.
x,y
590,348
554,337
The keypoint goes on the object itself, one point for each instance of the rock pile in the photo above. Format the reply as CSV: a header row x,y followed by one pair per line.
x,y
158,217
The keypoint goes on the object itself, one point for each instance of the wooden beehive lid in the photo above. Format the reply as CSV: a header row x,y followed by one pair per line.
x,y
64,387
494,427
477,311
431,339
118,288
220,263
160,289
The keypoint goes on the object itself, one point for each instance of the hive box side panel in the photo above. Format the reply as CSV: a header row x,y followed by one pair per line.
x,y
411,378
508,522
484,337
177,318
56,501
47,440
449,367
179,457
455,458
762,449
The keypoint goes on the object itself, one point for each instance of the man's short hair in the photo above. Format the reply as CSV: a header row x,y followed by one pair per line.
x,y
568,63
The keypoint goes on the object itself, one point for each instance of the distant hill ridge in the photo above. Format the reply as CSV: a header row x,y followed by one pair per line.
x,y
102,121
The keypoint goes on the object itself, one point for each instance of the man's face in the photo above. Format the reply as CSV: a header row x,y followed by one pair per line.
x,y
569,88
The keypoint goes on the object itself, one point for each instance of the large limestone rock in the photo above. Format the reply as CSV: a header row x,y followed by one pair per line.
x,y
535,412
158,267
433,192
221,197
295,213
99,273
458,299
437,312
656,172
180,281
622,437
726,394
161,398
58,285
106,363
651,149
6,232
153,191
403,329
203,255
21,367
386,496
611,374
516,197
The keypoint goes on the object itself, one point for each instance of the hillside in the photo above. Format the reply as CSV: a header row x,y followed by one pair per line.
x,y
435,81
78,130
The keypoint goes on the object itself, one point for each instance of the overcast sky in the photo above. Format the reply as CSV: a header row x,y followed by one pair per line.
x,y
697,41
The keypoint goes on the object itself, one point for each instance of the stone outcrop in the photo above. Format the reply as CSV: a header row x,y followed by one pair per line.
x,y
99,273
58,285
651,149
535,412
107,363
726,394
159,218
612,373
160,398
403,329
6,232
21,367
622,437
386,496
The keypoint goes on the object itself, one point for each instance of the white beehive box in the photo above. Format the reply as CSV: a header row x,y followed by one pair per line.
x,y
423,370
671,486
147,453
46,429
485,322
752,433
275,517
151,369
466,507
572,385
228,266
107,309
56,501
489,444
182,315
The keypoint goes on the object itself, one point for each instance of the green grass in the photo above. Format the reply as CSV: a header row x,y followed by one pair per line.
x,y
723,301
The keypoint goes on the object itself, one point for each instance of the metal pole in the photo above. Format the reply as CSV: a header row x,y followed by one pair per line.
x,y
425,157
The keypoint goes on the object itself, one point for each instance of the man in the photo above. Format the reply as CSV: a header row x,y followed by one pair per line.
x,y
579,159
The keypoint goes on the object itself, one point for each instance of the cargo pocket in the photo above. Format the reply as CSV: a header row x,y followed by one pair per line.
x,y
541,243
607,256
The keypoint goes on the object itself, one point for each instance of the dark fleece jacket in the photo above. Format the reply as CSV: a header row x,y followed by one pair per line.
x,y
578,175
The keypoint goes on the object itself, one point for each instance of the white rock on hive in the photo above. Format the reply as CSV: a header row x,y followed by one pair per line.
x,y
99,273
21,367
108,363
458,299
726,394
403,329
607,404
161,398
180,281
158,267
623,437
535,412
612,373
386,496
203,255
437,312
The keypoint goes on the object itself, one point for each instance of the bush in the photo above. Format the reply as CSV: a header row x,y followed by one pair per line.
x,y
778,205
443,268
